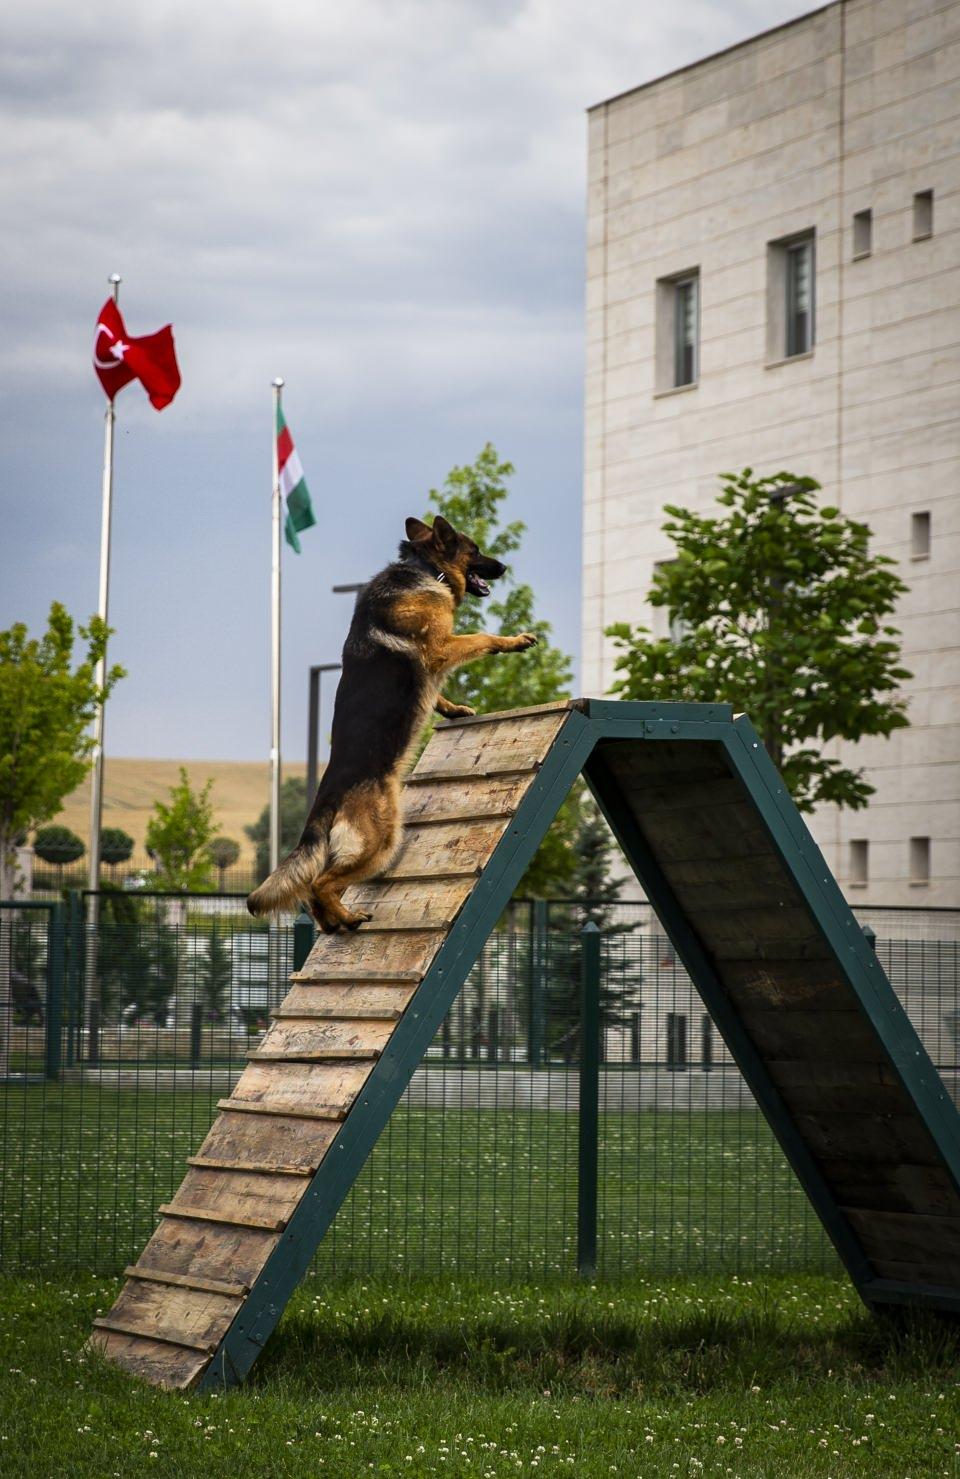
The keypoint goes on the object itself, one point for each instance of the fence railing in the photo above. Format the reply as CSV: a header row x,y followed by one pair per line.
x,y
544,1130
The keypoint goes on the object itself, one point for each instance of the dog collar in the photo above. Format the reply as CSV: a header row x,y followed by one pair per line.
x,y
441,577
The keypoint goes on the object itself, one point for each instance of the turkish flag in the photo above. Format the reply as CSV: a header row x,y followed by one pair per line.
x,y
118,359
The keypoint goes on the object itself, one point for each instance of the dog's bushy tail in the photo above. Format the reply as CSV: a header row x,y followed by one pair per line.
x,y
290,881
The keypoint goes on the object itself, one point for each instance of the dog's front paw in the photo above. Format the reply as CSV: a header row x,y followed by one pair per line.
x,y
524,640
460,711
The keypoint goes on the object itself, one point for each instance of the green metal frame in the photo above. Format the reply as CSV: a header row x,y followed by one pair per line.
x,y
574,751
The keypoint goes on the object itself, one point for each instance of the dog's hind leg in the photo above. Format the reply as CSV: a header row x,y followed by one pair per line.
x,y
363,840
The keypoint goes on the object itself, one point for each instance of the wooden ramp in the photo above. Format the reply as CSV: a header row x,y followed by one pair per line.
x,y
756,918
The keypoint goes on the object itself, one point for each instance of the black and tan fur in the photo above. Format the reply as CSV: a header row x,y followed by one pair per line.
x,y
400,647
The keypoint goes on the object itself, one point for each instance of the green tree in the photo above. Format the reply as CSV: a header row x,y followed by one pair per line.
x,y
123,955
46,708
293,814
779,608
224,852
472,499
58,846
216,975
179,834
116,846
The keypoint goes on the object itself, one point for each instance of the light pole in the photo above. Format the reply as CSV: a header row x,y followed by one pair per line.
x,y
313,703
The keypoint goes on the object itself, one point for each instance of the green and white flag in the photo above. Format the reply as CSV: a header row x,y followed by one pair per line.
x,y
293,486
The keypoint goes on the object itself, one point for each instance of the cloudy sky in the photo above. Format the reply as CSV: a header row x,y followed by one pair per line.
x,y
380,201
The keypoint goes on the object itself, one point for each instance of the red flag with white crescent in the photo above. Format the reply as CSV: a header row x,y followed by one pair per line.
x,y
118,358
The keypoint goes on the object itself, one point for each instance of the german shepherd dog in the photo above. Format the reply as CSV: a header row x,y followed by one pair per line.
x,y
400,647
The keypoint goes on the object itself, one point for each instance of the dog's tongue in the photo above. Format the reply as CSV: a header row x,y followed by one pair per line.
x,y
477,586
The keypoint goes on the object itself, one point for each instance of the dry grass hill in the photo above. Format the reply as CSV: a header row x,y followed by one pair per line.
x,y
130,787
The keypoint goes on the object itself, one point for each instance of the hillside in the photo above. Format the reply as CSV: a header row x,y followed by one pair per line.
x,y
130,787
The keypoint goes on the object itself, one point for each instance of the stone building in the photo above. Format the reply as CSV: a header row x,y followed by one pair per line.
x,y
774,281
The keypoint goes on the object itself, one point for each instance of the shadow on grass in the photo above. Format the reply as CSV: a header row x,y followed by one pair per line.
x,y
586,1353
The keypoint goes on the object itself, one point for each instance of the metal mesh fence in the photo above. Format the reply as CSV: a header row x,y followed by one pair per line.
x,y
118,1039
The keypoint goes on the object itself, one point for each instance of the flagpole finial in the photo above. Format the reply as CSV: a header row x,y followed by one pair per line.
x,y
114,278
277,383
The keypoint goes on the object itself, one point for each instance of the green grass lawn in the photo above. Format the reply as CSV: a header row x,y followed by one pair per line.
x,y
775,1376
456,1191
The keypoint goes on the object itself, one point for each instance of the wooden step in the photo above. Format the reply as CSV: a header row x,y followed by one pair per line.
x,y
417,875
434,818
204,1214
257,1168
559,706
388,926
116,1327
334,1014
187,1281
295,1111
481,773
356,977
322,1055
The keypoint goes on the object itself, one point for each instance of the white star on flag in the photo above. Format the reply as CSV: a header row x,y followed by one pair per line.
x,y
119,349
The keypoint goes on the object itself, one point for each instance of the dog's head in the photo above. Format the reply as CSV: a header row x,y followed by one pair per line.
x,y
453,555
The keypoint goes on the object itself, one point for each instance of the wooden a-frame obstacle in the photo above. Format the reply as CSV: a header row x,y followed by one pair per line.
x,y
753,913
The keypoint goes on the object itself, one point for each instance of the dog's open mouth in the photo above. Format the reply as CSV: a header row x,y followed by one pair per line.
x,y
475,585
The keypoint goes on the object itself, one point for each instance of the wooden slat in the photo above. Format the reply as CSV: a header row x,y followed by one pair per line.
x,y
801,1035
729,883
349,1001
223,1253
788,985
639,763
858,1087
932,1272
174,1368
193,1317
339,975
307,1084
329,1014
332,1112
253,1168
259,1139
448,848
201,1214
464,748
185,1281
319,1055
869,1138
476,798
905,1235
560,706
767,933
341,1037
367,956
427,903
893,1188
246,1197
492,772
119,1327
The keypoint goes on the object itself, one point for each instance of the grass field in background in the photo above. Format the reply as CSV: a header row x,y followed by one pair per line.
x,y
82,1171
776,1378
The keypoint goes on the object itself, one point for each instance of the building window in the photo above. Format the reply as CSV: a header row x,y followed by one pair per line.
x,y
678,331
800,297
676,1040
919,860
920,536
862,234
791,293
859,860
706,1043
922,215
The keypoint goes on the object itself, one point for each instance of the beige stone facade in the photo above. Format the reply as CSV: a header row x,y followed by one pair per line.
x,y
715,172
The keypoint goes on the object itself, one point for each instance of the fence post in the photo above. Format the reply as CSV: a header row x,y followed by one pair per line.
x,y
538,969
303,931
196,1033
589,1129
54,1002
74,968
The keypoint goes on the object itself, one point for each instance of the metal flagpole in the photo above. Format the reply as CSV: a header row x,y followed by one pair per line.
x,y
100,677
275,642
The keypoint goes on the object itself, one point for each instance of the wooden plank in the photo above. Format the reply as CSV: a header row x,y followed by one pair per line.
x,y
326,1014
201,1214
729,884
340,976
172,1367
858,1087
166,1312
768,933
475,797
801,1035
869,1138
310,1085
788,985
449,847
254,1168
893,1188
231,1254
932,1272
561,706
342,999
184,1281
346,1038
498,745
429,903
248,1197
320,1112
667,794
637,763
117,1327
321,1055
733,831
367,956
260,1138
910,1236
430,777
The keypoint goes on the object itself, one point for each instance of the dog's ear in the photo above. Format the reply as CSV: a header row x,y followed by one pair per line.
x,y
417,531
446,535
